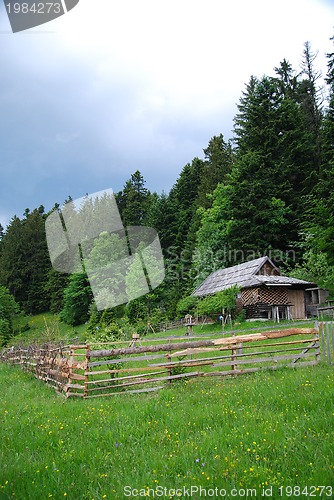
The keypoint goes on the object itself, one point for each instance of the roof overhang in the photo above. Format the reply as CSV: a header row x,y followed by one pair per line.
x,y
314,289
278,284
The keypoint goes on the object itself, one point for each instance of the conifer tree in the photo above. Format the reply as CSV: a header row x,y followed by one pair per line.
x,y
8,309
77,300
321,219
261,205
162,216
25,261
12,262
133,200
312,101
184,200
216,167
37,262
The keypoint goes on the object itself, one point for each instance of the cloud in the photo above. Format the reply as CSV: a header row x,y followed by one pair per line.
x,y
115,87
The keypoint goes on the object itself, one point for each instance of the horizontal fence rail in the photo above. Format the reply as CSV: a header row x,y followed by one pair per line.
x,y
147,365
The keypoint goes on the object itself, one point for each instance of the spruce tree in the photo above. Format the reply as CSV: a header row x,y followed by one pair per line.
x,y
260,206
37,262
12,262
162,216
267,132
77,300
216,167
311,100
8,309
321,213
25,262
133,200
184,200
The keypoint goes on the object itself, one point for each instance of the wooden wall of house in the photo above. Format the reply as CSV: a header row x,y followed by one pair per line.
x,y
265,295
274,295
268,270
253,297
298,307
250,296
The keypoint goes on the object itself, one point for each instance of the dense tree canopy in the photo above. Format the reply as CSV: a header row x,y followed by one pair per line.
x,y
8,309
268,189
24,262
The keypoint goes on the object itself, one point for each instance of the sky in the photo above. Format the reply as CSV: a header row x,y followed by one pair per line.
x,y
114,87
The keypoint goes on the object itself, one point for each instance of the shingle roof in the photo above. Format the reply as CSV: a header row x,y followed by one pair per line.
x,y
281,280
243,275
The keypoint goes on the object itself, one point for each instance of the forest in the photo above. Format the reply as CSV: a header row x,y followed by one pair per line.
x,y
268,190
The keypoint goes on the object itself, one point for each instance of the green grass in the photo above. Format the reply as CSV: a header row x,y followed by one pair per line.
x,y
245,327
48,327
255,431
45,327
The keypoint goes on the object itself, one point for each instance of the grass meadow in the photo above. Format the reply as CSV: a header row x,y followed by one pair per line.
x,y
261,431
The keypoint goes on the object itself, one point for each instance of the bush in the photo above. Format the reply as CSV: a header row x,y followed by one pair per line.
x,y
137,309
187,305
110,333
215,304
315,268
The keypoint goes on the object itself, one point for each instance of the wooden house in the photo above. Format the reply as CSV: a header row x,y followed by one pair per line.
x,y
264,293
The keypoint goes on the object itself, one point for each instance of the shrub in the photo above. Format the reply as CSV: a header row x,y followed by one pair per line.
x,y
187,305
224,300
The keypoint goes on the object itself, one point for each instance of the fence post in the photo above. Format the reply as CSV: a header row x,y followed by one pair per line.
x,y
234,352
70,371
329,354
323,344
332,325
87,371
169,369
317,342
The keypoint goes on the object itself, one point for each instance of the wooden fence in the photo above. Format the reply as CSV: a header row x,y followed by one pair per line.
x,y
148,365
326,337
